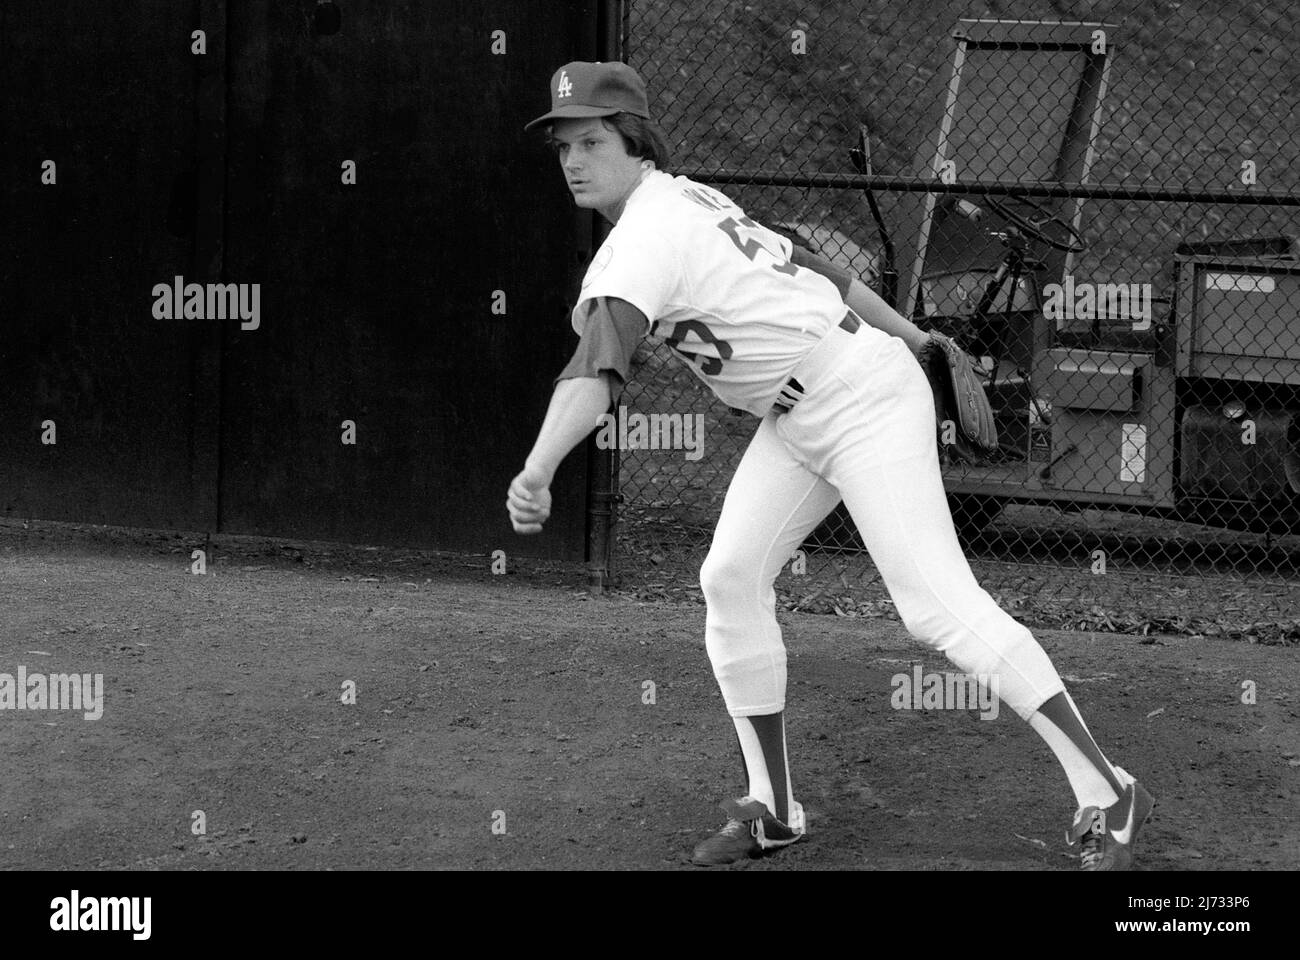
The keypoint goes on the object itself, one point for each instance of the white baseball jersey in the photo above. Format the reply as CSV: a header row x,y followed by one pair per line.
x,y
715,285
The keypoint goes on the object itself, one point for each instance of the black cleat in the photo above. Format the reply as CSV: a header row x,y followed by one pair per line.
x,y
751,830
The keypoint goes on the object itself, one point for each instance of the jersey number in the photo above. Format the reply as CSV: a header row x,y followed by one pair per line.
x,y
708,365
750,246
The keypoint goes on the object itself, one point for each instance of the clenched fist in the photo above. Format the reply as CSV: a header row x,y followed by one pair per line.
x,y
529,501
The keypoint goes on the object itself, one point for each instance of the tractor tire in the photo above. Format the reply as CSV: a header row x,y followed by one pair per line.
x,y
972,513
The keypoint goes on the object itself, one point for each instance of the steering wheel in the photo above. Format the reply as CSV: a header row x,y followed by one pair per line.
x,y
1033,221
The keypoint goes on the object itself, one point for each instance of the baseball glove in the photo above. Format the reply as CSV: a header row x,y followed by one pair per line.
x,y
965,418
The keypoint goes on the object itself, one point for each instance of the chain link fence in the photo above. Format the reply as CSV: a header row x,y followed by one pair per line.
x,y
1098,201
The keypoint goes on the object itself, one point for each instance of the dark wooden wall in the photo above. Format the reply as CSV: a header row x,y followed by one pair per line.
x,y
375,298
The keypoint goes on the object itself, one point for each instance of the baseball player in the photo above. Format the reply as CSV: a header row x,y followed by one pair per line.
x,y
846,413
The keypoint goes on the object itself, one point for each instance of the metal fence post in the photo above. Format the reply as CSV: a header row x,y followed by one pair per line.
x,y
603,465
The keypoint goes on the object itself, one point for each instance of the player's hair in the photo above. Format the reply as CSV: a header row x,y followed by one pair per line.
x,y
642,138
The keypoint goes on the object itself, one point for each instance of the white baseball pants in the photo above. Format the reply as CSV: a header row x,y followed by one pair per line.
x,y
864,432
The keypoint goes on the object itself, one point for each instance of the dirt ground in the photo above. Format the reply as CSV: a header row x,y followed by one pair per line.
x,y
518,701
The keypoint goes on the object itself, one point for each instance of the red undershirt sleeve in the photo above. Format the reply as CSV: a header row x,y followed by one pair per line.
x,y
611,330
810,261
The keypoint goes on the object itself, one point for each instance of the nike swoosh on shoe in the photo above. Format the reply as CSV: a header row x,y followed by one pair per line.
x,y
1124,834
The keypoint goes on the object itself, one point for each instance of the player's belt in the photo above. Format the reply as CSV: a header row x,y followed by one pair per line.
x,y
818,360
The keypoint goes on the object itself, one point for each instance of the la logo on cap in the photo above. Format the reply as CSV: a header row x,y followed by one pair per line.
x,y
580,90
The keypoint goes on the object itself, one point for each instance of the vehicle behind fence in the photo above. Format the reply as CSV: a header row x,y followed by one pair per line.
x,y
1099,203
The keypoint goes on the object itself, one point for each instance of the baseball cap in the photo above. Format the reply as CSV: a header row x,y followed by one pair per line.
x,y
581,89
